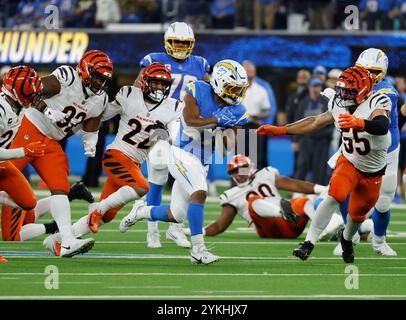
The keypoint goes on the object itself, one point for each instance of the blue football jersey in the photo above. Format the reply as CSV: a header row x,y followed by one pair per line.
x,y
199,141
191,69
386,88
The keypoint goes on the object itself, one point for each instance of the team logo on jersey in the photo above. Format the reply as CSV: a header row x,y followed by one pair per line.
x,y
10,120
26,136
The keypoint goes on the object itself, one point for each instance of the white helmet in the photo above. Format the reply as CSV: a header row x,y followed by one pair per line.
x,y
374,60
179,31
229,81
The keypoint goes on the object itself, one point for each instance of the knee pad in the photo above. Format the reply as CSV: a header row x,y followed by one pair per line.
x,y
28,204
383,203
128,194
337,194
158,157
358,219
251,199
159,177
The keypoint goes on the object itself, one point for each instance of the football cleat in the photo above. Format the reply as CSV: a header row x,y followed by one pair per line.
x,y
76,246
176,234
52,244
130,219
383,249
3,260
338,251
347,247
81,192
153,240
200,255
304,251
287,212
94,218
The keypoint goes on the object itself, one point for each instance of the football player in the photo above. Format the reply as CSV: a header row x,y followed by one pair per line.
x,y
207,106
363,119
185,68
144,115
69,97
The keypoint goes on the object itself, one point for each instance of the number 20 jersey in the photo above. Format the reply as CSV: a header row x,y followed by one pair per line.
x,y
137,121
72,100
365,151
262,184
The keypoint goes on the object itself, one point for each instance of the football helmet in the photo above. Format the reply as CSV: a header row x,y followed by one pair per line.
x,y
21,84
241,169
156,82
375,61
179,32
353,87
229,81
96,70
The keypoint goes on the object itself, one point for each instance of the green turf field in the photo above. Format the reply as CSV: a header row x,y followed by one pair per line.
x,y
120,266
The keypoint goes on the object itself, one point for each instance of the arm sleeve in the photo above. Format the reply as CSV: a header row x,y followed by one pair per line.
x,y
8,154
378,126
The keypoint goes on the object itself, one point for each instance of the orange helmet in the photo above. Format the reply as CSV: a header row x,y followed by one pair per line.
x,y
21,84
240,165
152,75
96,70
354,86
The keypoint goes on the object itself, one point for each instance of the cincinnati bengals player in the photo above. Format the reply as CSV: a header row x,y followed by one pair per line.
x,y
69,97
145,112
256,198
363,120
19,86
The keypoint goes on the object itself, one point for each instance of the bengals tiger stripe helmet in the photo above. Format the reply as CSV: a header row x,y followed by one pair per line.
x,y
21,84
96,71
240,168
353,87
156,82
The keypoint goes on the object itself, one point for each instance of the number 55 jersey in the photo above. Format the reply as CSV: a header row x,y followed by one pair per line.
x,y
365,151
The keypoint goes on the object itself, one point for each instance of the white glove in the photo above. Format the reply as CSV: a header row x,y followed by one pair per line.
x,y
319,189
328,93
55,115
89,142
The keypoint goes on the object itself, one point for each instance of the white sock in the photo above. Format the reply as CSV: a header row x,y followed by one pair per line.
x,y
366,226
119,198
144,212
197,240
266,209
31,230
309,209
351,229
61,213
152,226
81,227
43,206
336,220
322,218
379,239
5,199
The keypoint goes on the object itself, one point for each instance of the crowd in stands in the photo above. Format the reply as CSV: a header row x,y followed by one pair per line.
x,y
294,15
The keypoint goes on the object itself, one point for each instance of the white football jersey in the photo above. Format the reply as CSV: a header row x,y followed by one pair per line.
x,y
137,121
9,122
365,151
262,184
72,100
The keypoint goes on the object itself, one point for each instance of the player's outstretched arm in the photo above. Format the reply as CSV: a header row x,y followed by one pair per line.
x,y
300,186
191,114
222,223
303,126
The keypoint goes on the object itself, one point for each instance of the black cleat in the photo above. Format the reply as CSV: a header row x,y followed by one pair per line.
x,y
304,251
287,212
348,250
81,192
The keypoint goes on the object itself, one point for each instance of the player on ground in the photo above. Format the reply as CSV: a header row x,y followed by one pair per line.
x,y
363,120
185,68
144,115
376,62
69,97
207,106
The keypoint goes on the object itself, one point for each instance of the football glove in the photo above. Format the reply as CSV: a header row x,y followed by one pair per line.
x,y
34,149
349,121
225,118
55,115
268,130
90,142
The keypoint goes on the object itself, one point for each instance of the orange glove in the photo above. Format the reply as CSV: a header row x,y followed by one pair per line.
x,y
268,130
349,121
35,149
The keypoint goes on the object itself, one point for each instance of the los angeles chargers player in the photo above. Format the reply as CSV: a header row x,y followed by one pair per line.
x,y
376,62
185,68
207,107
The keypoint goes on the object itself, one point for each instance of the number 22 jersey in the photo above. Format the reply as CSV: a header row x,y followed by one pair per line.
x,y
72,100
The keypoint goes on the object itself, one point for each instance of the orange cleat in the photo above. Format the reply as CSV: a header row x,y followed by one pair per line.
x,y
57,249
94,220
3,260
